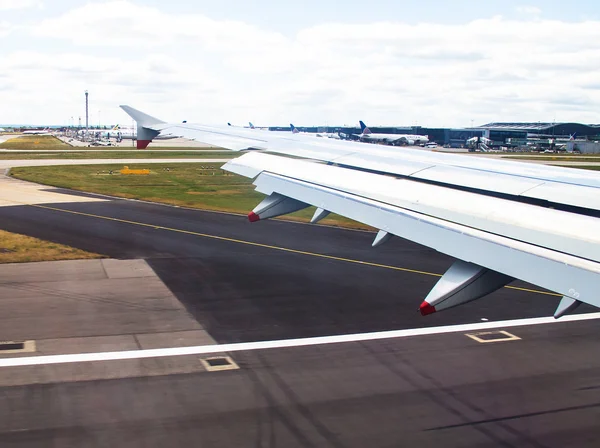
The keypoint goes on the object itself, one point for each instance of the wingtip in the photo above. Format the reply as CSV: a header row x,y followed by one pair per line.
x,y
253,217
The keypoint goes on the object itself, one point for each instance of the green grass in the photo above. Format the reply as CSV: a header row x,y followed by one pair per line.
x,y
35,142
156,147
16,248
151,148
51,143
583,167
196,185
586,158
28,155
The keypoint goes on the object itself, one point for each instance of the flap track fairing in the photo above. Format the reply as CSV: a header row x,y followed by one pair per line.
x,y
462,283
275,205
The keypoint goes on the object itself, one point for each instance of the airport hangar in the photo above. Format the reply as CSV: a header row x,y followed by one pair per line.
x,y
501,134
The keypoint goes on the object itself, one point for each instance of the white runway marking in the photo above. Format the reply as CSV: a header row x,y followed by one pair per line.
x,y
285,343
483,337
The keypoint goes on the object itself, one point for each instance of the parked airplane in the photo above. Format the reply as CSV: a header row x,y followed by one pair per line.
x,y
393,139
329,135
502,220
250,126
128,133
257,127
101,133
295,130
36,132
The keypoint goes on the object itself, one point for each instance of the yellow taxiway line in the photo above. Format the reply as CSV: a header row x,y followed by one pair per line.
x,y
269,246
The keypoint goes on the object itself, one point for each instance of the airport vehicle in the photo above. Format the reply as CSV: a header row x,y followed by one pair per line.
x,y
100,143
481,143
501,220
391,139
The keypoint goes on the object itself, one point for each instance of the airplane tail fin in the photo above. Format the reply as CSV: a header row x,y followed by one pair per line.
x,y
294,129
145,126
251,125
573,136
363,128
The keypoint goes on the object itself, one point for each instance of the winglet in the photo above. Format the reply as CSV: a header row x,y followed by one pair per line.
x,y
363,128
141,118
145,125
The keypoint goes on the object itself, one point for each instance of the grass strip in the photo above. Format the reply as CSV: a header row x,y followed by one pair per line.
x,y
83,155
35,142
16,248
195,185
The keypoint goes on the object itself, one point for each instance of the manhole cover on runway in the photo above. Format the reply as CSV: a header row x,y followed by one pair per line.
x,y
16,347
218,363
492,336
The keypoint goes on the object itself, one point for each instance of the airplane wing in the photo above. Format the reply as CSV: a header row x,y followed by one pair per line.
x,y
501,220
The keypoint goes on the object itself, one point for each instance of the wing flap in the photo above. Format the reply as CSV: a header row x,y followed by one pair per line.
x,y
576,195
479,180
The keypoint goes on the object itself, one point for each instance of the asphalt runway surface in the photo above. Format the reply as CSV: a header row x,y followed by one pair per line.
x,y
228,284
276,280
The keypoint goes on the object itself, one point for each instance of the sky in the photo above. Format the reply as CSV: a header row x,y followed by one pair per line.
x,y
429,62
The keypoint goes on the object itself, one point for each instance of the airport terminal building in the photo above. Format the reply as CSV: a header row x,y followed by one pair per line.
x,y
508,135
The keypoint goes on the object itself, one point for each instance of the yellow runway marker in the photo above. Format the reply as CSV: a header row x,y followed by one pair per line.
x,y
548,293
268,246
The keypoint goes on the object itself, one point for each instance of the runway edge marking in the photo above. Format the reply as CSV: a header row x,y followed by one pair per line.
x,y
285,343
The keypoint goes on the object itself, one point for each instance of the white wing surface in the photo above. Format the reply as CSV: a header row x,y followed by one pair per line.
x,y
501,220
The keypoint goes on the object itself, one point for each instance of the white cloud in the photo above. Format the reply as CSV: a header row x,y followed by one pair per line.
x,y
194,67
6,5
123,23
5,28
530,10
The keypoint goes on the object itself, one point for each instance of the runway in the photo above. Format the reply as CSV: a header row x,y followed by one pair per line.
x,y
273,281
295,280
